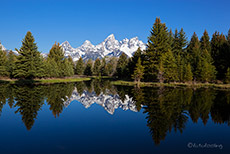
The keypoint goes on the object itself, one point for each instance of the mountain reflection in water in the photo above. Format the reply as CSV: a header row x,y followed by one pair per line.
x,y
166,109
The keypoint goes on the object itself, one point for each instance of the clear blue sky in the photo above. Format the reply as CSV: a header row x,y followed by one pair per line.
x,y
76,21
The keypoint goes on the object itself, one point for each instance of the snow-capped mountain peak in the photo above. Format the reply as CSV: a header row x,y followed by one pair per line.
x,y
2,47
109,47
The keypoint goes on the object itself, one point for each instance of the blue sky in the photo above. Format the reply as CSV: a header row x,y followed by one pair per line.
x,y
76,21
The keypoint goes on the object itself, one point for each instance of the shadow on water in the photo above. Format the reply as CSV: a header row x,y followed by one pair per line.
x,y
166,109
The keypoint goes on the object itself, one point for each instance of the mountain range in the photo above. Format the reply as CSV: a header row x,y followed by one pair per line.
x,y
110,47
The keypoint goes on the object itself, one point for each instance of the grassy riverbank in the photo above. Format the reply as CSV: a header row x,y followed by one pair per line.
x,y
155,84
44,81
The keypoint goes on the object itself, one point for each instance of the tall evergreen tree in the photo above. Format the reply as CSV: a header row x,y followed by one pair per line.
x,y
158,43
206,70
182,39
176,49
80,67
29,62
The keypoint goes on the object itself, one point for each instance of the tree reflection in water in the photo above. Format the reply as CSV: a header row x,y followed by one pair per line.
x,y
166,109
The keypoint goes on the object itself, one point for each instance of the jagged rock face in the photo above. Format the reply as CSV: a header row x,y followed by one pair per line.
x,y
109,47
109,102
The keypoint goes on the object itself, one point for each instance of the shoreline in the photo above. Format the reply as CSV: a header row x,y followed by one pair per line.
x,y
173,84
44,81
114,82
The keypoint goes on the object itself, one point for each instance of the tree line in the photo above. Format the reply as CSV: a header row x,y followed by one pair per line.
x,y
30,64
169,57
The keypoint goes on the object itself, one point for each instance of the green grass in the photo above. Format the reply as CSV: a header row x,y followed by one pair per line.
x,y
155,84
44,81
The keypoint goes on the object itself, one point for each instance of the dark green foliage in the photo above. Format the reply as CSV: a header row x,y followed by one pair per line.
x,y
111,66
188,76
88,68
158,43
62,67
169,67
97,67
3,64
220,53
133,60
193,51
182,39
29,62
11,59
227,76
80,67
51,68
29,100
104,68
121,70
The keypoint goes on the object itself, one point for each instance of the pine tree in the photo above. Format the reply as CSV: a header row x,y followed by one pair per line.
x,y
70,60
188,76
176,49
122,66
56,55
11,59
158,43
80,67
97,67
3,64
193,50
88,68
182,39
28,64
206,70
138,72
170,67
227,76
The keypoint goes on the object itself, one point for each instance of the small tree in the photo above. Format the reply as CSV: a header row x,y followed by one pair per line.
x,y
97,67
188,76
80,67
88,68
11,59
138,72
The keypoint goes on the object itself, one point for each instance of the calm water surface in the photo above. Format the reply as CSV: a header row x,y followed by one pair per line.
x,y
96,117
